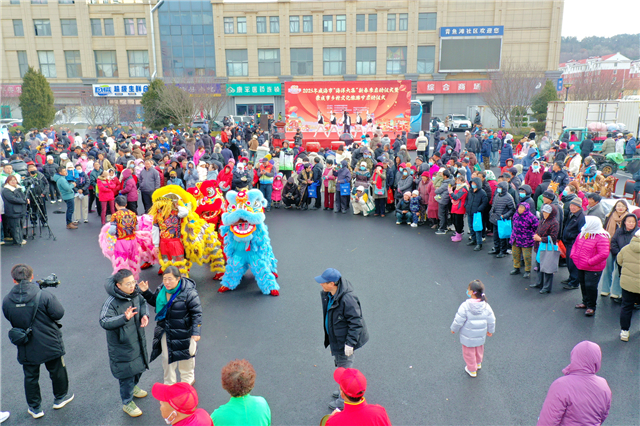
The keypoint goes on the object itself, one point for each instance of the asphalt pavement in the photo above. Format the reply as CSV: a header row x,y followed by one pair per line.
x,y
410,283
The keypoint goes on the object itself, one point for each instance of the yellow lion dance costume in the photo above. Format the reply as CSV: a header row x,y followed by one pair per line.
x,y
176,223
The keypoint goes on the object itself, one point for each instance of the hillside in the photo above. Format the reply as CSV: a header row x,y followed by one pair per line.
x,y
627,44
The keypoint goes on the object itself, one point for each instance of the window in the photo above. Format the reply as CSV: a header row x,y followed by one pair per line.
x,y
301,61
47,63
129,26
403,22
426,21
14,2
242,25
39,1
42,27
615,72
360,23
261,24
307,24
274,24
74,66
396,60
373,22
23,62
341,23
69,27
96,27
365,60
327,24
237,63
268,62
138,63
391,22
108,27
333,60
142,26
228,25
66,1
294,24
426,61
106,63
18,29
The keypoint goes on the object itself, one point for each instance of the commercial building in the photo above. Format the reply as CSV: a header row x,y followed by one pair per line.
x,y
445,48
619,74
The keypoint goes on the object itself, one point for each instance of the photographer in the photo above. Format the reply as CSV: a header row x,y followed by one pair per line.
x,y
36,186
44,345
15,208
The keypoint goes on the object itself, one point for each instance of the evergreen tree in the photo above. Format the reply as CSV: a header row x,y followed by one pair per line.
x,y
36,100
154,116
540,102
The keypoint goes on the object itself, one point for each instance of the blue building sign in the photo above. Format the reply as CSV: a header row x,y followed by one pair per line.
x,y
483,31
559,85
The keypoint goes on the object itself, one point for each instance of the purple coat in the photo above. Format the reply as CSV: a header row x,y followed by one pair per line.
x,y
129,186
523,227
579,398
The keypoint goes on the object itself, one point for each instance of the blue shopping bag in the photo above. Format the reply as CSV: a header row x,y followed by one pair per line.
x,y
504,229
548,246
345,188
477,222
313,190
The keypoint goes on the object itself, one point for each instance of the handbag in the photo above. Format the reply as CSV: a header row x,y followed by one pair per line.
x,y
345,188
477,222
390,198
563,249
504,229
548,256
20,336
331,187
313,190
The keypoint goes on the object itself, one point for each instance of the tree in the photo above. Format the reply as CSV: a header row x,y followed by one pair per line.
x,y
154,117
539,105
96,110
176,103
593,86
36,100
512,91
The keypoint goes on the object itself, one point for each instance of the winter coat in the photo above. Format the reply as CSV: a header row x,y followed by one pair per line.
x,y
432,205
126,340
503,205
149,180
403,205
486,148
534,179
477,201
474,145
64,186
598,211
562,178
443,192
50,170
572,227
105,189
191,176
586,147
15,202
183,320
540,189
343,323
241,179
529,159
523,227
474,320
590,253
505,154
45,342
580,397
629,260
403,185
458,200
527,197
424,190
422,142
129,186
343,174
548,227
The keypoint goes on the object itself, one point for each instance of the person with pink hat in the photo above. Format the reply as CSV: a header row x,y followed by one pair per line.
x,y
179,405
356,411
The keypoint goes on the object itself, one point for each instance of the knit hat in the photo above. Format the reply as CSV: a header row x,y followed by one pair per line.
x,y
407,193
425,174
360,188
415,192
549,195
49,157
364,163
577,202
547,208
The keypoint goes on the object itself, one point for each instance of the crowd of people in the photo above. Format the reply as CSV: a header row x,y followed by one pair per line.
x,y
527,198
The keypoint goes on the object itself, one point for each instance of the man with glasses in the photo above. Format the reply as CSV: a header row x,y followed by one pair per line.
x,y
124,316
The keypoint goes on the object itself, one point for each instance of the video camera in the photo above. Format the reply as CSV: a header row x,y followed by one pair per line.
x,y
49,281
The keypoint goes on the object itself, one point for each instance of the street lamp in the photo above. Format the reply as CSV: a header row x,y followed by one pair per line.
x,y
567,86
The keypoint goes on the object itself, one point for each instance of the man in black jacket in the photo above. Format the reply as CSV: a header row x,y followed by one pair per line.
x,y
572,226
124,315
45,344
477,202
586,148
344,328
317,180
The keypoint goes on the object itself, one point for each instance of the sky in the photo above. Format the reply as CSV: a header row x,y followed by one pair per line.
x,y
584,18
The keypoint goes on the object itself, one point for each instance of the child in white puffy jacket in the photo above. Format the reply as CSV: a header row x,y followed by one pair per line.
x,y
474,320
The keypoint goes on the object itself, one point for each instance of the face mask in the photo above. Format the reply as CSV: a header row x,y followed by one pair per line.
x,y
363,168
168,420
499,190
33,172
522,194
469,294
401,169
536,168
448,151
565,193
405,173
430,163
474,186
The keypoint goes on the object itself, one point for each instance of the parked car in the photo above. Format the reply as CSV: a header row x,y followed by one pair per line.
x,y
440,125
459,122
241,118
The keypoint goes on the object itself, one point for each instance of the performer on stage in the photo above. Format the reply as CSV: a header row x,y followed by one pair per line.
x,y
334,124
346,122
369,127
320,124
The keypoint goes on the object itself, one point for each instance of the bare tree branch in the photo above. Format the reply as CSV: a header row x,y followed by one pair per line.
x,y
176,103
594,86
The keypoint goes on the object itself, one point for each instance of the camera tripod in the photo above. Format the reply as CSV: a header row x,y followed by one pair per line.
x,y
40,216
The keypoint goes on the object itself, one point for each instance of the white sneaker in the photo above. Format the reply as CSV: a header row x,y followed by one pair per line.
x,y
471,373
624,335
53,201
414,225
397,223
4,415
479,366
35,415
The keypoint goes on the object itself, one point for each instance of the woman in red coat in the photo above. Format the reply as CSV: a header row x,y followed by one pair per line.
x,y
106,194
458,199
533,178
589,253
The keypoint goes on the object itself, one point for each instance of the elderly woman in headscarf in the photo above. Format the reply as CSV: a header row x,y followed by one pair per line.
x,y
589,253
610,280
547,228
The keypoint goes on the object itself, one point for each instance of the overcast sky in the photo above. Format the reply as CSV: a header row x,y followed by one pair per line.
x,y
584,18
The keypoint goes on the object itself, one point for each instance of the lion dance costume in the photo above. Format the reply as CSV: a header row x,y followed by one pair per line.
x,y
182,236
246,242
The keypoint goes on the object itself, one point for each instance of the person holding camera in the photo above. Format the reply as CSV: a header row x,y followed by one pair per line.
x,y
36,186
15,208
34,315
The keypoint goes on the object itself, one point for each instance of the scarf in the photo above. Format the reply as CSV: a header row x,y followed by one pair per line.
x,y
377,178
162,305
592,227
10,187
614,222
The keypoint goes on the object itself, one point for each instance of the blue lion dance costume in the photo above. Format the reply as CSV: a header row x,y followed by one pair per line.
x,y
246,242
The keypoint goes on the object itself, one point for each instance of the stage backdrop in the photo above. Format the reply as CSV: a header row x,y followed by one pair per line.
x,y
387,101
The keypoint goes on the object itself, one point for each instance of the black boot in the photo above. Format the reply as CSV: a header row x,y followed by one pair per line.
x,y
471,243
478,247
516,271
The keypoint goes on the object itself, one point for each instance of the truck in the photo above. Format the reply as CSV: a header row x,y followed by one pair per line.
x,y
564,117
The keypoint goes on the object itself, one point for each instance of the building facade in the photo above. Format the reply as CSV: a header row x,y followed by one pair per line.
x,y
255,47
615,70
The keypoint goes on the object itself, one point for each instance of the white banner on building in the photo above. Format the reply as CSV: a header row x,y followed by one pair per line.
x,y
120,90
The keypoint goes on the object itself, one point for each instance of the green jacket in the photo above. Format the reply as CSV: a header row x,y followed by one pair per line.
x,y
243,410
64,186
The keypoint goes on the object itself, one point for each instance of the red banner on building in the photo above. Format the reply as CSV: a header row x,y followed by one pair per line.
x,y
312,106
11,90
440,87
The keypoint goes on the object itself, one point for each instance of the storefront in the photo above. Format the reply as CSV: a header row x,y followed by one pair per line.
x,y
254,98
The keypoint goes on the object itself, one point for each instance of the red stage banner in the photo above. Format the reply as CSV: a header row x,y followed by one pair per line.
x,y
468,86
310,106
